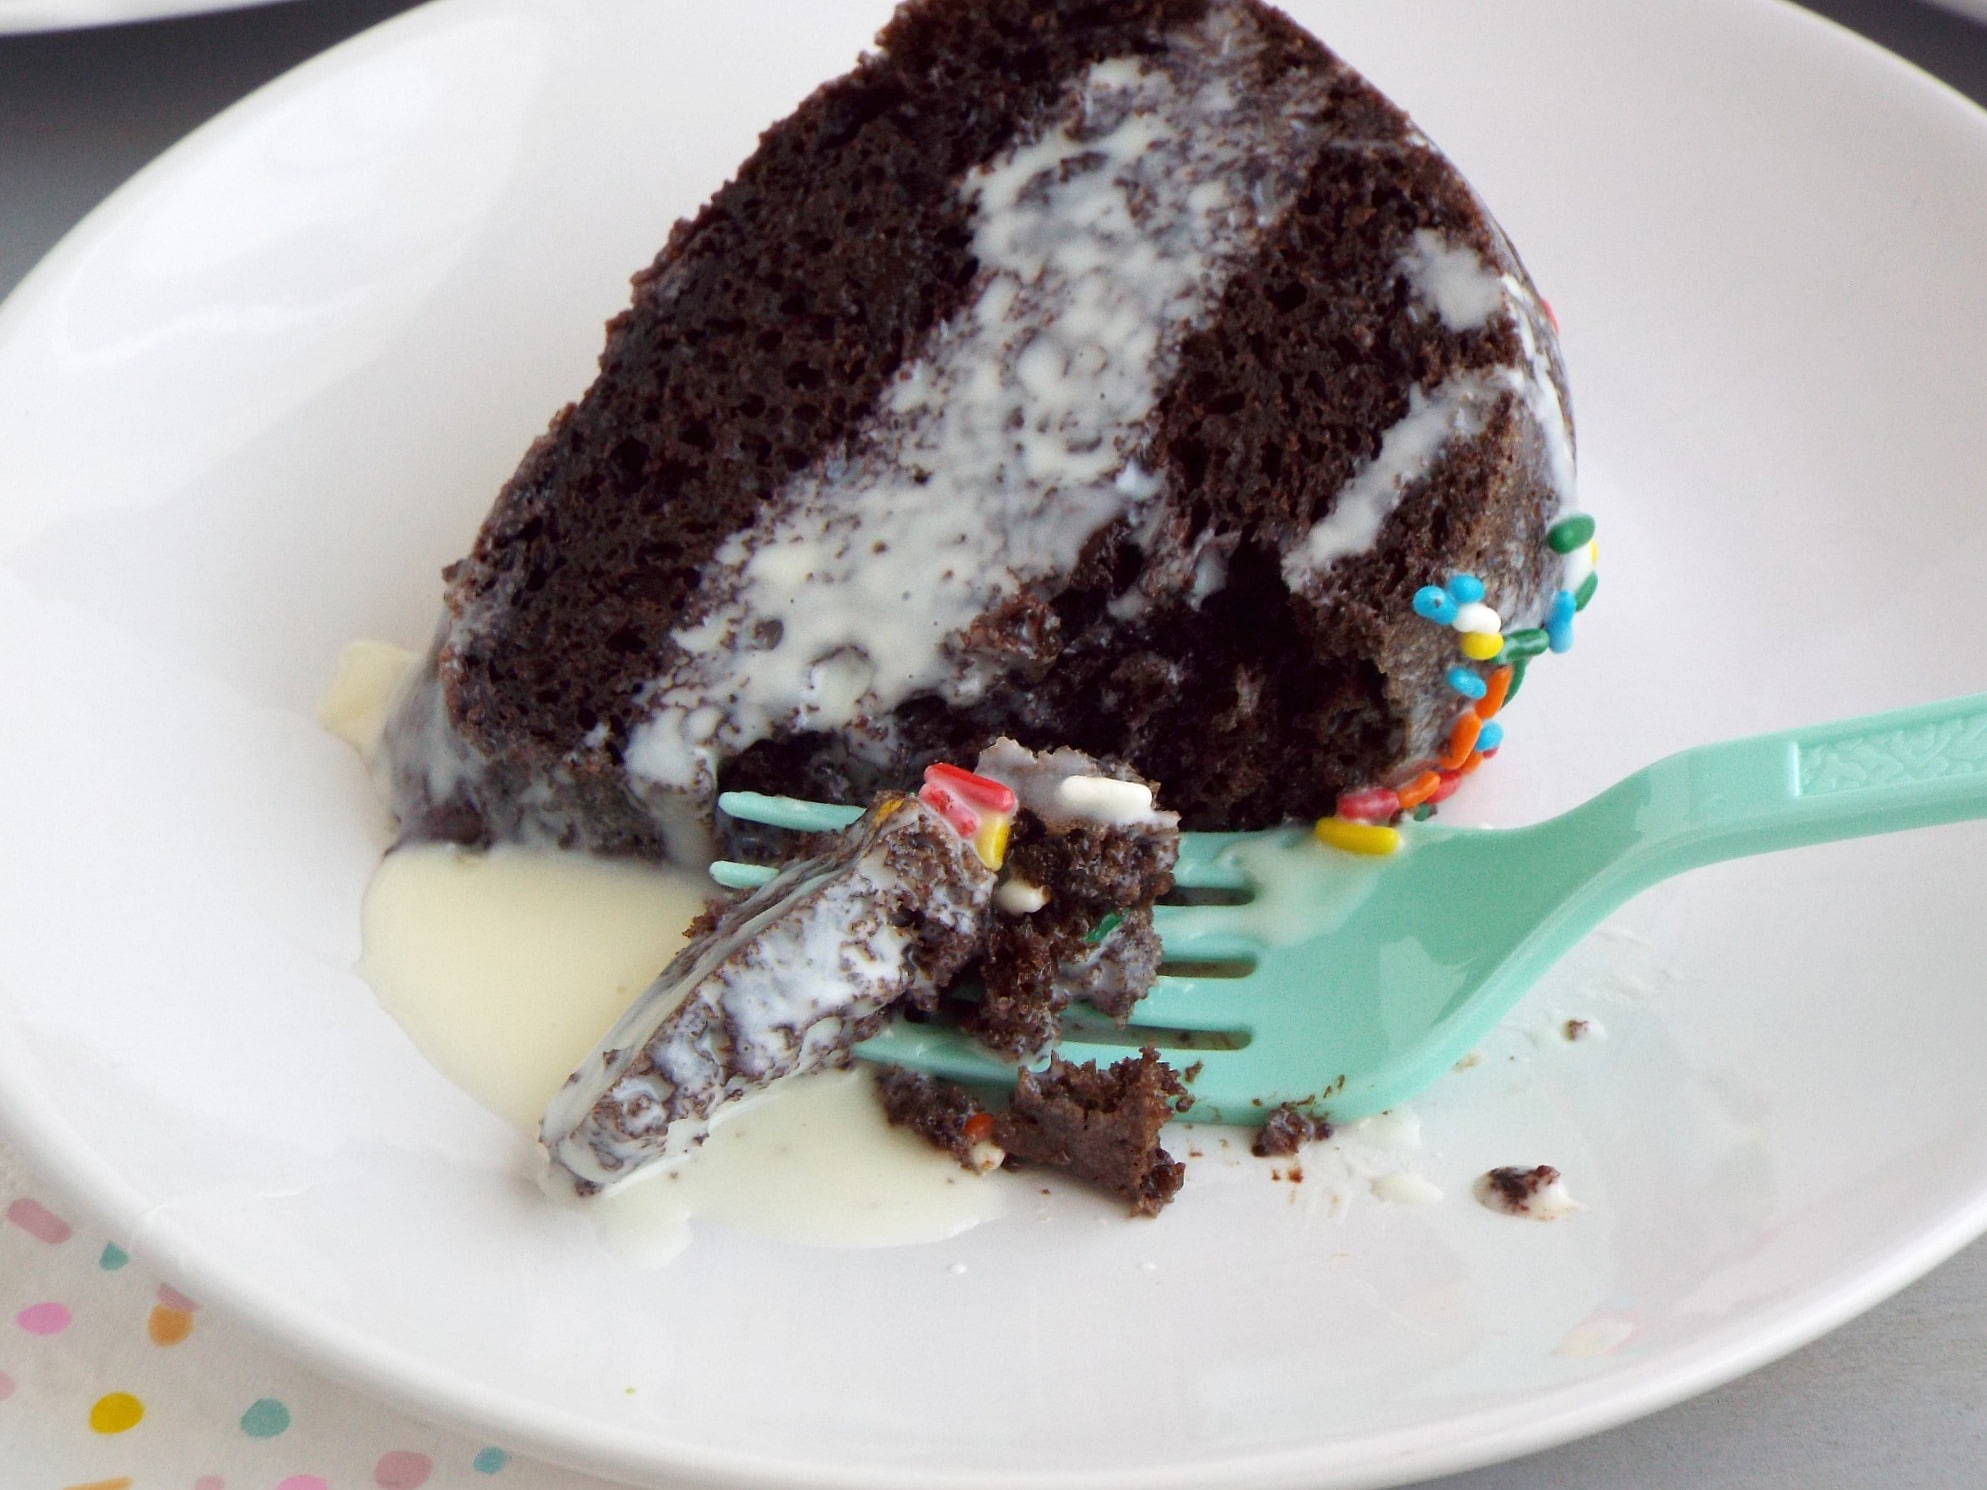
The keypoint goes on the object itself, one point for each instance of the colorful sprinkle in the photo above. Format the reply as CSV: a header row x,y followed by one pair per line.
x,y
114,1257
1356,838
1570,533
1433,603
1418,791
1450,781
1376,805
978,809
1559,622
1518,667
1476,617
1495,692
168,1326
1462,740
489,1461
38,1221
1423,813
1586,591
1467,683
1489,737
117,1412
402,1469
43,1319
1481,646
265,1418
1466,588
1530,642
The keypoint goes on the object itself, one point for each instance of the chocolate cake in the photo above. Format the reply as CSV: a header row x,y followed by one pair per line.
x,y
1105,376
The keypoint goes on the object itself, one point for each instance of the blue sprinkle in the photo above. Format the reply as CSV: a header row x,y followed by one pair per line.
x,y
489,1461
1559,622
1490,736
1433,603
1466,588
1467,683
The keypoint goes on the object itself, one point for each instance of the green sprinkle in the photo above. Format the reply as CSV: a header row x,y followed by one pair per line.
x,y
1103,928
1518,666
1586,591
1570,533
1424,812
1519,645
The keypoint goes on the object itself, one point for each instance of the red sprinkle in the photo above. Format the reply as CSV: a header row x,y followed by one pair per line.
x,y
978,791
1450,781
1546,306
978,1128
1375,805
958,816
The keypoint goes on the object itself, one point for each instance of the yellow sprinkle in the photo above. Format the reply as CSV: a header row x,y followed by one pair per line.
x,y
116,1412
1481,646
1593,551
888,807
990,843
1357,838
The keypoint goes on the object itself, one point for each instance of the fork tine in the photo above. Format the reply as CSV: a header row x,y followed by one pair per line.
x,y
1192,1004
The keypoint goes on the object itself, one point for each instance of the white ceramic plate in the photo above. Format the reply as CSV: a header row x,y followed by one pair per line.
x,y
251,407
1977,9
69,15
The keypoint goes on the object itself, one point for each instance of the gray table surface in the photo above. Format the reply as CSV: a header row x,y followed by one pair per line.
x,y
1897,1398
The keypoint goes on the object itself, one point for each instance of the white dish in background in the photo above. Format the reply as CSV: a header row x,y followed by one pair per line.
x,y
73,15
250,408
1974,9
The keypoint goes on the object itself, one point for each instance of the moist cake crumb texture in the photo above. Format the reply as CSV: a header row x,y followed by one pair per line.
x,y
1112,377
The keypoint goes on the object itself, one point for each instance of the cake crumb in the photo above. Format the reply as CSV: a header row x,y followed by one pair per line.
x,y
1537,1193
1288,1129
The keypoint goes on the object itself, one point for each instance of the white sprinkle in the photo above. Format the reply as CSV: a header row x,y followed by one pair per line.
x,y
1104,799
1016,897
1478,618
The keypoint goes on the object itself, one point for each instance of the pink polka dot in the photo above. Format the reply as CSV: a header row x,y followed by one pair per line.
x,y
6,1386
303,1482
210,1482
172,1298
403,1469
38,1221
43,1319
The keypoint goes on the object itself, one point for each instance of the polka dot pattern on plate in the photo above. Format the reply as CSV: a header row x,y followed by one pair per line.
x,y
116,1412
265,1418
38,1221
489,1461
402,1469
44,1319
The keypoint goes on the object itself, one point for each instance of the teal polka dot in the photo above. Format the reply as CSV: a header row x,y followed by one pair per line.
x,y
265,1418
490,1461
114,1257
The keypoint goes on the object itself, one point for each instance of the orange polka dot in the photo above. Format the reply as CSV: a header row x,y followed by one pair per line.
x,y
118,1484
168,1326
116,1412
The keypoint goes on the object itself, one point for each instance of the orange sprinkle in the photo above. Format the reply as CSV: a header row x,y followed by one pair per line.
x,y
1419,790
1462,740
1497,689
1470,763
978,1128
168,1326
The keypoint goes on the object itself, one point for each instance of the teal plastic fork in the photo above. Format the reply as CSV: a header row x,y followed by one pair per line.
x,y
1346,983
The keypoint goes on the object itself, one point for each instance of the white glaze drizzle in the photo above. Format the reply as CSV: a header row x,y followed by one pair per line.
x,y
995,457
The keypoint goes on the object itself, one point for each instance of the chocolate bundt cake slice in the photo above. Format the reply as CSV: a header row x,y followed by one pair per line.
x,y
1109,376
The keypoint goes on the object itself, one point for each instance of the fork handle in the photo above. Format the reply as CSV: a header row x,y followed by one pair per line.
x,y
1910,768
